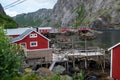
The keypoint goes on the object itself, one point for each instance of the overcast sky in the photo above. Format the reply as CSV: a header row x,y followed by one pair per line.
x,y
26,6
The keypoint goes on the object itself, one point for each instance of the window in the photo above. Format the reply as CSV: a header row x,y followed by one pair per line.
x,y
23,44
33,44
33,35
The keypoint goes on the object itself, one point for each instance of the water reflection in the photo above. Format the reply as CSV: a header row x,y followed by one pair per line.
x,y
108,38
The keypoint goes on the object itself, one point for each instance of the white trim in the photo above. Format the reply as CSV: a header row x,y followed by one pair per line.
x,y
48,44
111,63
33,35
23,37
113,46
21,30
33,42
29,33
39,49
43,36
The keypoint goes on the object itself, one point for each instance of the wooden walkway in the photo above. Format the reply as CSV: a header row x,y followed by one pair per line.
x,y
64,55
79,53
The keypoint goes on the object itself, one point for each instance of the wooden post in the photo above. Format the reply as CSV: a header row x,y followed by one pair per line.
x,y
86,53
73,62
104,58
67,66
46,64
85,63
101,64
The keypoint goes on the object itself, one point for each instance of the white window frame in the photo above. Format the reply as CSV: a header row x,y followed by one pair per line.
x,y
33,35
33,42
23,43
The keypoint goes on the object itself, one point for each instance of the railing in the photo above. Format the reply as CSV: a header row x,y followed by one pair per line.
x,y
62,56
92,52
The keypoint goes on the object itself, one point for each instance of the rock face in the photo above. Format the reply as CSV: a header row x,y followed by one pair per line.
x,y
1,10
33,19
98,14
63,14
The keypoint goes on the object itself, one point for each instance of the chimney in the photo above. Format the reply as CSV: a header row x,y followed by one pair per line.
x,y
37,29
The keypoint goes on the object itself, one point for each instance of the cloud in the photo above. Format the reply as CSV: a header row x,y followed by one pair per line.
x,y
11,13
28,6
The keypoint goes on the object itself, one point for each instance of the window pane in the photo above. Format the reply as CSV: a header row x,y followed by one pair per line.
x,y
33,35
32,44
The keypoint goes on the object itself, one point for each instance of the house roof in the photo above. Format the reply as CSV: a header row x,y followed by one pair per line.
x,y
19,31
113,46
16,31
23,35
42,28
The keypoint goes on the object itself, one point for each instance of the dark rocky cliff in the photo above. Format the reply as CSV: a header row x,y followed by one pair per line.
x,y
1,10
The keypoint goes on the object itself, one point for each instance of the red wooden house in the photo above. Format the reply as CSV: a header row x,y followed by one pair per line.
x,y
32,40
18,31
115,61
44,30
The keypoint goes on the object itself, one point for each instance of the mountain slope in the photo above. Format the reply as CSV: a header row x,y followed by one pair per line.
x,y
33,19
102,14
5,20
1,10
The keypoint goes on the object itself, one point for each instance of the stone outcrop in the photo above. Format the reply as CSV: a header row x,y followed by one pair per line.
x,y
1,10
98,14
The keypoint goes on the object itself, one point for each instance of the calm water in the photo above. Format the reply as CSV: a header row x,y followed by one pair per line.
x,y
108,38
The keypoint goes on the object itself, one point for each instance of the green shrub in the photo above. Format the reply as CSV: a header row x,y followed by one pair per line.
x,y
78,76
10,57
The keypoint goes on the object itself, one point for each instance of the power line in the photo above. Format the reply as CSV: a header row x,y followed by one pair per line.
x,y
14,4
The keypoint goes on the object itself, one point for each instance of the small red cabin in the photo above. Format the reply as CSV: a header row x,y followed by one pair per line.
x,y
44,30
64,29
115,61
84,28
32,40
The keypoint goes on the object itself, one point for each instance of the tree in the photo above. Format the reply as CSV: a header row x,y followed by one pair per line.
x,y
10,57
7,21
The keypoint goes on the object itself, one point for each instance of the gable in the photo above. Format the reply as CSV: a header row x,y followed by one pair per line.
x,y
27,33
113,46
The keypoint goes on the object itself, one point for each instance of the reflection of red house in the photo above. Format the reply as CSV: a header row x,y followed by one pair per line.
x,y
115,61
32,40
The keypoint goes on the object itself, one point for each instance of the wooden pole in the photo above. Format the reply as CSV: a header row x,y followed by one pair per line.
x,y
104,58
73,62
86,53
67,67
85,63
